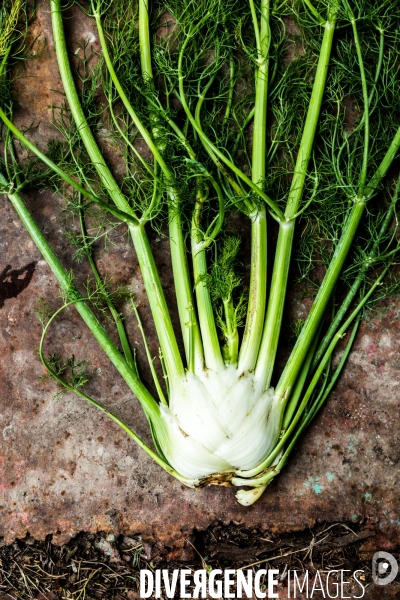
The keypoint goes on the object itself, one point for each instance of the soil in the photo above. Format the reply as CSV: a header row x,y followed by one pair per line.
x,y
98,566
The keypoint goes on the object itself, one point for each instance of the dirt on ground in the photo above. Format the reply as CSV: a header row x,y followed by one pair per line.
x,y
99,566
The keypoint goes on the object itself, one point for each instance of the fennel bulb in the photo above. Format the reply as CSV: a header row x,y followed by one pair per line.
x,y
217,423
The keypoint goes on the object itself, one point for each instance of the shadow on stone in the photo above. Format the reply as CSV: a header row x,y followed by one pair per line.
x,y
14,281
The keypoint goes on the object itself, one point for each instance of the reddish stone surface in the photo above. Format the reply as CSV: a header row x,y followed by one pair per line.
x,y
64,467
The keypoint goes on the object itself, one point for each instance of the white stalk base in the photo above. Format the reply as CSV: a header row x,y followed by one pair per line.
x,y
217,423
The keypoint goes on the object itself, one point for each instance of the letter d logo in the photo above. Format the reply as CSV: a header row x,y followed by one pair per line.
x,y
384,568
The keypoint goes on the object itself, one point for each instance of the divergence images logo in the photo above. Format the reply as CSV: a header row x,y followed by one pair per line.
x,y
384,568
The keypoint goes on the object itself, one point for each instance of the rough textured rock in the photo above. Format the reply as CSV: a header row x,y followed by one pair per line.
x,y
65,467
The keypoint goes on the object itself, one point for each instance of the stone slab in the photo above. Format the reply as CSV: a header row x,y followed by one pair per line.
x,y
64,467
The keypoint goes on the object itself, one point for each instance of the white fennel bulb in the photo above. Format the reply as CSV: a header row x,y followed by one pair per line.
x,y
218,422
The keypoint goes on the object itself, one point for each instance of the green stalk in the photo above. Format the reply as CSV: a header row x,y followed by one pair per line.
x,y
345,305
264,479
162,463
364,168
232,334
130,359
209,149
367,264
125,217
314,12
310,327
183,287
150,359
375,181
150,275
231,91
149,404
257,293
317,311
177,245
200,241
209,335
298,388
327,390
370,99
240,135
212,149
144,41
272,327
258,269
287,426
9,148
199,244
130,376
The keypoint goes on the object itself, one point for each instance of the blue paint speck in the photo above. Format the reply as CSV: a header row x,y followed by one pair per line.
x,y
330,476
313,482
367,497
